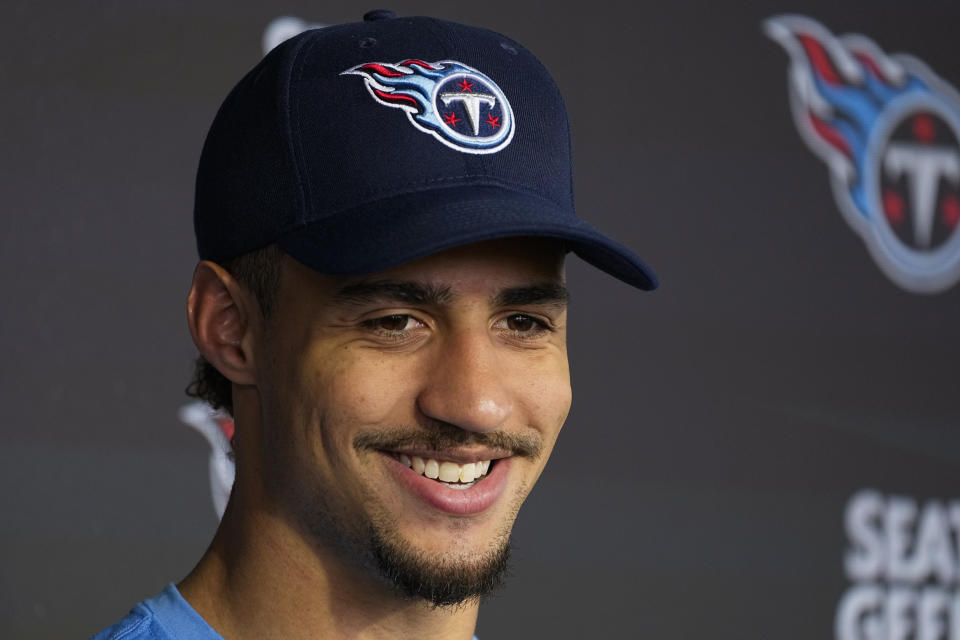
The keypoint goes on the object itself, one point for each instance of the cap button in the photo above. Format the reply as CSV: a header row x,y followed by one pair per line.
x,y
379,14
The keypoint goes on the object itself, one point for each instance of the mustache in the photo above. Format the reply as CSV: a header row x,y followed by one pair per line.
x,y
446,436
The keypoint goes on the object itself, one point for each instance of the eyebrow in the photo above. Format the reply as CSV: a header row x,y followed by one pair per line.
x,y
409,292
368,291
551,294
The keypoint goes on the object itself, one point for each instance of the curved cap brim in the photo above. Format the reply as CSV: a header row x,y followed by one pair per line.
x,y
391,231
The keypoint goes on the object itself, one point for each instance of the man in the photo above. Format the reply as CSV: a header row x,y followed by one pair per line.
x,y
382,214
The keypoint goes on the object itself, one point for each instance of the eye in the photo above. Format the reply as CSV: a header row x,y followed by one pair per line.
x,y
393,323
521,323
524,326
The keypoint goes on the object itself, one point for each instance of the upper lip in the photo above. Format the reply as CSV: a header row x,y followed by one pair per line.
x,y
460,456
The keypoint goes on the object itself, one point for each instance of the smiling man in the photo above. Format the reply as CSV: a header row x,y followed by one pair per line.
x,y
383,210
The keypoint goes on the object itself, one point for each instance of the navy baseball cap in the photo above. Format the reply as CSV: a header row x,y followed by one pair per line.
x,y
361,146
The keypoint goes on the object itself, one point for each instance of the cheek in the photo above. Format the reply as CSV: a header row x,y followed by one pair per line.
x,y
548,403
547,396
355,389
321,397
555,415
542,393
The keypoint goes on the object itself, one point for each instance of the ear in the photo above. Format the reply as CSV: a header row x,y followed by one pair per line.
x,y
223,320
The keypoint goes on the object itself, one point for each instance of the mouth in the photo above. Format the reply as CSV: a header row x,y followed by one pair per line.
x,y
452,474
468,484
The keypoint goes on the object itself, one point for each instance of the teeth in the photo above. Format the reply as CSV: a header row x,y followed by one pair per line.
x,y
457,476
449,472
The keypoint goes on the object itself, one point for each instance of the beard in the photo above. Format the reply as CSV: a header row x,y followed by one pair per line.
x,y
372,544
440,579
369,538
443,580
415,575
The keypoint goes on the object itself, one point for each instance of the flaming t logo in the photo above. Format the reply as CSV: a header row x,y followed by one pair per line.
x,y
456,104
889,130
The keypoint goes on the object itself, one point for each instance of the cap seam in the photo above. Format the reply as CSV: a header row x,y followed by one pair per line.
x,y
559,97
448,54
296,145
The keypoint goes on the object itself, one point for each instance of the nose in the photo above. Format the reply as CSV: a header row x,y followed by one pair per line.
x,y
467,385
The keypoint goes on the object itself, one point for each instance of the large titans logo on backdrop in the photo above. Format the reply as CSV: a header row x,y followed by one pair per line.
x,y
456,104
889,130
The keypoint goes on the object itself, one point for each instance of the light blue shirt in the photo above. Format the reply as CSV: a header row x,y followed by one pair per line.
x,y
165,617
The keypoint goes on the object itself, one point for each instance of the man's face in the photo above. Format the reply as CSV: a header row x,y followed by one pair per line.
x,y
454,364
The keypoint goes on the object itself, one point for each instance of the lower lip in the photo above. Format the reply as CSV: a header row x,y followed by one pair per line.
x,y
461,502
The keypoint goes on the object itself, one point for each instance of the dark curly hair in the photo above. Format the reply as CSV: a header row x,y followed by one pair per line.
x,y
259,272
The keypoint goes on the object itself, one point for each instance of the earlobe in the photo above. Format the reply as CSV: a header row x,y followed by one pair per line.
x,y
221,321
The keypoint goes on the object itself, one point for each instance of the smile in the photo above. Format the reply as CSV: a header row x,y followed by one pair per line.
x,y
454,475
462,487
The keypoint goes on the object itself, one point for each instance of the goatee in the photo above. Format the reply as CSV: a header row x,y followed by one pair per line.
x,y
418,577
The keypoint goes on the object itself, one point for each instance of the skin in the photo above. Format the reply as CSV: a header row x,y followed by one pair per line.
x,y
289,559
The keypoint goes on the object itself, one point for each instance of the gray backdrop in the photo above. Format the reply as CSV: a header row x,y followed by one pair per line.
x,y
720,425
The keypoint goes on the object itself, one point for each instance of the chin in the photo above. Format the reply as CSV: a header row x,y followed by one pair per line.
x,y
459,575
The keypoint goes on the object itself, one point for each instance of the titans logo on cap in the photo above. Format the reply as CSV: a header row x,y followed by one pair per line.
x,y
889,130
456,104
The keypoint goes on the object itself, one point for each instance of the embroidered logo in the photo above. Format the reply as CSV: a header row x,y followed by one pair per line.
x,y
889,130
456,104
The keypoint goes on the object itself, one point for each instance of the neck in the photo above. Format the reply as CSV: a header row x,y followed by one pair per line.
x,y
261,578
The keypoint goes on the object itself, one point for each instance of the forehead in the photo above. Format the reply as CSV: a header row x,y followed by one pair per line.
x,y
481,268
